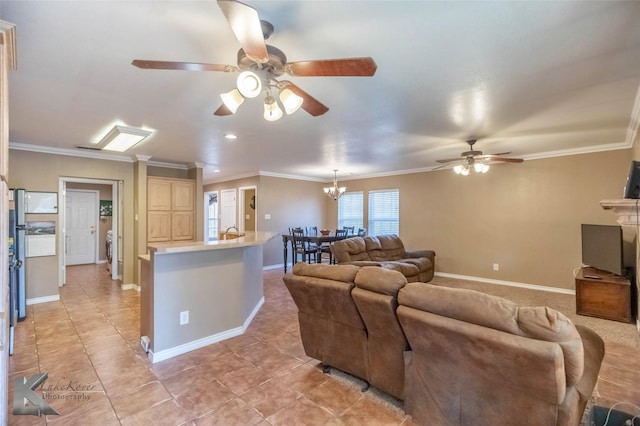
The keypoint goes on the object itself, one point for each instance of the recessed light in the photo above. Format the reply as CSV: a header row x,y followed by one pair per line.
x,y
230,136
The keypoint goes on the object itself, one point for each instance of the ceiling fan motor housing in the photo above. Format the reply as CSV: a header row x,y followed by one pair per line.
x,y
275,65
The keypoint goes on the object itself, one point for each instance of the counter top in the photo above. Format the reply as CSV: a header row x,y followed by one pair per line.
x,y
249,239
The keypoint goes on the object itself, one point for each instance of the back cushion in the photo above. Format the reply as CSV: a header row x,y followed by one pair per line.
x,y
541,322
374,248
350,250
392,246
344,273
380,280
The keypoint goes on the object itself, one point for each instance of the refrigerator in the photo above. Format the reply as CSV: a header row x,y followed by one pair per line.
x,y
17,254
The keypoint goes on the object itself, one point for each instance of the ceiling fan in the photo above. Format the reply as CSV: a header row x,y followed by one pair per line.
x,y
266,63
476,160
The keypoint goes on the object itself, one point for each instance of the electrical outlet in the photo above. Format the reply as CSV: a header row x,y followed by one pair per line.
x,y
496,267
184,317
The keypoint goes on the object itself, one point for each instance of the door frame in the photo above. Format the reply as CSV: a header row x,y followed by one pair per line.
x,y
96,247
206,214
241,212
116,195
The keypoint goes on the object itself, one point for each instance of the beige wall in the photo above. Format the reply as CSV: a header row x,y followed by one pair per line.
x,y
42,272
525,217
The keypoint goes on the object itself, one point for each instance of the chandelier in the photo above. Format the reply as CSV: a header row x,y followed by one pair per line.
x,y
470,164
250,85
335,191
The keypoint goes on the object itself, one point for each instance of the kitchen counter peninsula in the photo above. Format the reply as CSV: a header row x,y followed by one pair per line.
x,y
197,293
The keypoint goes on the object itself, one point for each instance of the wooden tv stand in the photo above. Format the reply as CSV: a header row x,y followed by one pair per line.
x,y
603,295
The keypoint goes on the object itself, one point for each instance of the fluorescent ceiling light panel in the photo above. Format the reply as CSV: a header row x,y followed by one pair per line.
x,y
122,138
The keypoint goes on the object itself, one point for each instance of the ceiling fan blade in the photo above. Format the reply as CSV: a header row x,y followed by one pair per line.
x,y
245,24
222,111
309,103
449,160
184,66
351,67
507,160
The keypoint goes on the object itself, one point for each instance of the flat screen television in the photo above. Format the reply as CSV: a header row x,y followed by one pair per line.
x,y
602,248
632,188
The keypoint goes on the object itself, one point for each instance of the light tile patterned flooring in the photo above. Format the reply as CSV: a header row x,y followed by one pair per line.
x,y
89,341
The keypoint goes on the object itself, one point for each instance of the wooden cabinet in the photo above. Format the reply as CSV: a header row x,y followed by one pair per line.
x,y
603,295
170,210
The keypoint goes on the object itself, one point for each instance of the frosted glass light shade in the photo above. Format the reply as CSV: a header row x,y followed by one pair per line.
x,y
272,111
232,100
290,101
249,84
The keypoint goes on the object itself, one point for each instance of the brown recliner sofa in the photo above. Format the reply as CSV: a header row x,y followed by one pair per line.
x,y
482,360
388,252
455,356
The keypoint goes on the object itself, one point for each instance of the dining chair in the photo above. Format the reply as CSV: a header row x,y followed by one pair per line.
x,y
350,230
300,246
341,234
362,232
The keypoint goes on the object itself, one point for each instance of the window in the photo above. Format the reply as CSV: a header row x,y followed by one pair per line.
x,y
351,210
384,212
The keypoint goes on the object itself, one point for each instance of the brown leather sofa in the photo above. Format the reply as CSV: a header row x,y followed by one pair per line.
x,y
388,252
456,357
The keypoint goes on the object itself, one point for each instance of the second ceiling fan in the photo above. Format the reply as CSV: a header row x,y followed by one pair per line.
x,y
476,160
261,65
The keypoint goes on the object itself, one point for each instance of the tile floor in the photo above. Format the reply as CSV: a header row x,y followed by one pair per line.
x,y
88,343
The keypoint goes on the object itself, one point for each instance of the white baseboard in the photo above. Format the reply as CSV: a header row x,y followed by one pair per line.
x,y
205,341
45,299
508,283
131,286
277,266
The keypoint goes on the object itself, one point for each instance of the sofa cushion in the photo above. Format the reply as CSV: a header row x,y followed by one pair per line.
x,y
344,273
379,280
391,246
407,269
350,250
541,323
422,263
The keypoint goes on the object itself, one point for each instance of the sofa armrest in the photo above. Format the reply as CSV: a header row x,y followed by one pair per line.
x,y
420,253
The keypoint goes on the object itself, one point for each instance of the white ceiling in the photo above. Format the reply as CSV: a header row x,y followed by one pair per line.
x,y
534,78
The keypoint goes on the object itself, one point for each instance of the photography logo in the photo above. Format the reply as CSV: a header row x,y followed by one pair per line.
x,y
23,394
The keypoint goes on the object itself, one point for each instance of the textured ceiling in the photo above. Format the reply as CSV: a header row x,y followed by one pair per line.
x,y
534,78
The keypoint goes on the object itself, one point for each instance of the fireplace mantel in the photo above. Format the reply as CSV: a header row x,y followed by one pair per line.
x,y
625,209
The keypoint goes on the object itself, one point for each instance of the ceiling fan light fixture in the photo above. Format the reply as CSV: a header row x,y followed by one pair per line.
x,y
272,111
480,167
458,169
249,84
290,101
232,100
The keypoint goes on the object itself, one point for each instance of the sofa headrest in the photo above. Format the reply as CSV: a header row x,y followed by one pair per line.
x,y
350,250
380,280
540,323
385,247
344,273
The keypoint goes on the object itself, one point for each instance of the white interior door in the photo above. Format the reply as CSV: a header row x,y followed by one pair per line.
x,y
81,217
228,209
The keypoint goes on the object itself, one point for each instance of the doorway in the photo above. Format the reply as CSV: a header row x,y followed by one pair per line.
x,y
211,222
81,218
248,209
113,222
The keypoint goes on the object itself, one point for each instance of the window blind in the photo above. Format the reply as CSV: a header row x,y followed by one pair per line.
x,y
384,212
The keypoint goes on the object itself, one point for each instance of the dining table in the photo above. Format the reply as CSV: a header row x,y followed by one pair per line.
x,y
287,239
